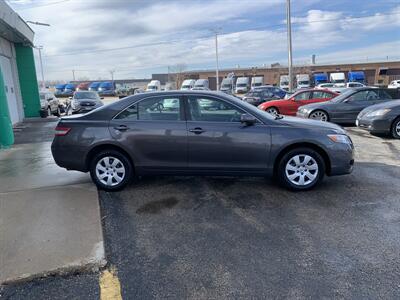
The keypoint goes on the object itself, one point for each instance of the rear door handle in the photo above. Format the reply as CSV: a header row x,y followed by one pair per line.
x,y
121,127
196,130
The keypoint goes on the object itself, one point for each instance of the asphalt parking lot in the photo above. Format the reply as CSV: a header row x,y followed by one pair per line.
x,y
220,238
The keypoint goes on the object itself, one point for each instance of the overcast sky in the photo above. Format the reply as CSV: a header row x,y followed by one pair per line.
x,y
137,38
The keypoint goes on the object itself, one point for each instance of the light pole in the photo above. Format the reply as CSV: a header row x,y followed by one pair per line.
x,y
41,64
40,48
38,23
289,37
216,31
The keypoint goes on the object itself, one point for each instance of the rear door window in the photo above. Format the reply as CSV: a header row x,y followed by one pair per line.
x,y
153,109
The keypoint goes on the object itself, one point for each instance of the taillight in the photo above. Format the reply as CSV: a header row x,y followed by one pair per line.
x,y
61,131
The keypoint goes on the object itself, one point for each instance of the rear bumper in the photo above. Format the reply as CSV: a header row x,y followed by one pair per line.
x,y
63,158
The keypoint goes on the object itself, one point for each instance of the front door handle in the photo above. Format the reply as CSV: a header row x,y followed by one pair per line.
x,y
121,128
197,130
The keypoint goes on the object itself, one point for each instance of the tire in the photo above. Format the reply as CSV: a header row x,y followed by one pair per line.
x,y
319,115
291,169
395,130
111,161
272,110
58,112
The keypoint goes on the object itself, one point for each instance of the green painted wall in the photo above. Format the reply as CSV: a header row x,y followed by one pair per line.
x,y
27,80
6,129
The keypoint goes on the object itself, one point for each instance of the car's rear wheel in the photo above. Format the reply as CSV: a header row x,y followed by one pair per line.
x,y
319,115
396,128
301,169
111,170
273,111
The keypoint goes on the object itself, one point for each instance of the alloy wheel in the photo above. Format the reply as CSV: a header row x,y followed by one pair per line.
x,y
397,128
273,111
319,115
110,171
302,170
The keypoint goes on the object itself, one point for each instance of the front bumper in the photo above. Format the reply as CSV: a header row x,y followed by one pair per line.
x,y
379,126
343,162
302,114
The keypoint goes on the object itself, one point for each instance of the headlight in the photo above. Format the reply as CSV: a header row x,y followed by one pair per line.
x,y
340,138
379,112
74,104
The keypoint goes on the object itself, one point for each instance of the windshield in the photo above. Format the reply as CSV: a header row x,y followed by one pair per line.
x,y
227,85
186,86
241,85
152,87
86,95
257,84
304,82
285,83
339,81
254,94
343,96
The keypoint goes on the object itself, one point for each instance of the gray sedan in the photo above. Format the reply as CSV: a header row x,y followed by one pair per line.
x,y
83,102
344,108
381,119
139,136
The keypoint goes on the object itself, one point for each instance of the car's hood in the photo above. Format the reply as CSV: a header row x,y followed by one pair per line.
x,y
312,124
388,104
88,100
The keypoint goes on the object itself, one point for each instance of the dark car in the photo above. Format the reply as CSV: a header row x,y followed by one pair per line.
x,y
106,89
59,89
138,136
257,96
69,89
344,108
280,93
83,102
94,86
381,118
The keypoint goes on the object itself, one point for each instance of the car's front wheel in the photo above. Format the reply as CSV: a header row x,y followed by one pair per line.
x,y
273,111
301,169
319,115
396,128
111,170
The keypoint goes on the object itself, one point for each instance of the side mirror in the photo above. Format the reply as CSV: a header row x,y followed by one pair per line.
x,y
248,119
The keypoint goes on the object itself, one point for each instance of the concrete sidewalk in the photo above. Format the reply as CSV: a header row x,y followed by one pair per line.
x,y
49,217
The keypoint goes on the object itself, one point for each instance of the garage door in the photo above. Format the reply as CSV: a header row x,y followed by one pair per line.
x,y
5,67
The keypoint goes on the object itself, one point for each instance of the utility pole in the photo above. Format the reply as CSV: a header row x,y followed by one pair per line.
x,y
216,31
73,75
41,65
289,38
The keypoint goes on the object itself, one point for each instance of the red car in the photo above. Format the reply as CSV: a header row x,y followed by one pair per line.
x,y
289,106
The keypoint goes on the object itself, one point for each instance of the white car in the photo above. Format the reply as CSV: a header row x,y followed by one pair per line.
x,y
395,84
49,104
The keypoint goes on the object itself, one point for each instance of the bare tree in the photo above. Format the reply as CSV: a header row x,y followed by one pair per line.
x,y
177,73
